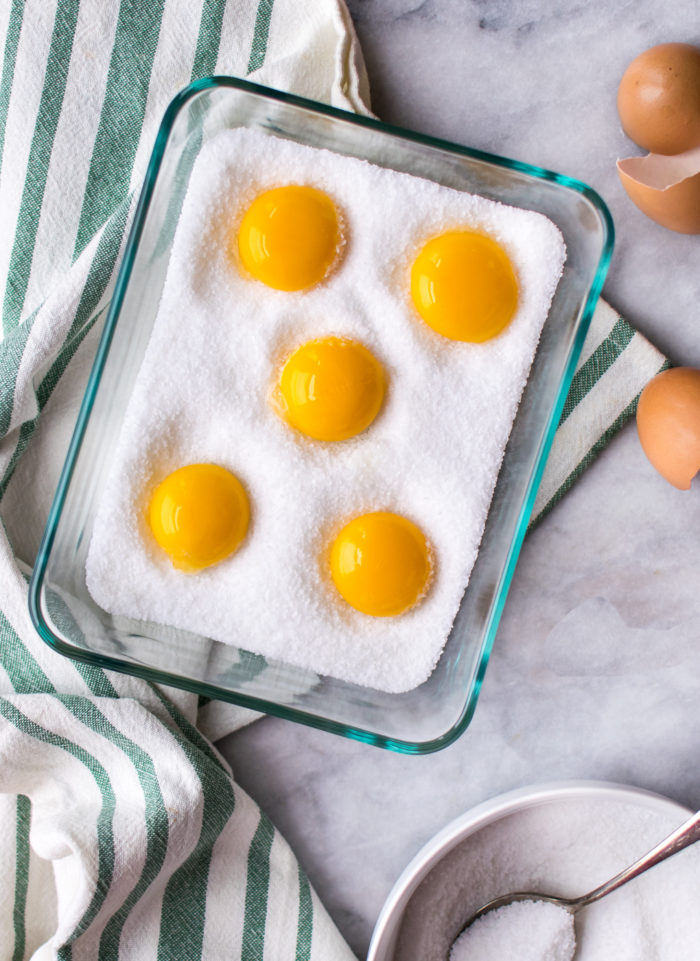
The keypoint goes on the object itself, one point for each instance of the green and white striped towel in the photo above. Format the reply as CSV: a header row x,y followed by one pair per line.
x,y
124,835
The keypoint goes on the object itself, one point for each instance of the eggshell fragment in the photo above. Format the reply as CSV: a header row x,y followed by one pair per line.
x,y
659,98
666,189
668,423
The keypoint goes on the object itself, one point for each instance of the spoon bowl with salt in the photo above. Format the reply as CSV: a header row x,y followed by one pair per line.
x,y
683,836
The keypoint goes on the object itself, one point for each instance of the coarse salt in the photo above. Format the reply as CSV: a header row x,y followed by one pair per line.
x,y
564,846
203,395
521,931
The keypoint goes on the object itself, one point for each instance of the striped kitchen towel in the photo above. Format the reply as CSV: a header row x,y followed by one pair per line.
x,y
125,836
615,364
123,833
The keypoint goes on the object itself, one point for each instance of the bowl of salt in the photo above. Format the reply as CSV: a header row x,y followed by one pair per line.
x,y
566,836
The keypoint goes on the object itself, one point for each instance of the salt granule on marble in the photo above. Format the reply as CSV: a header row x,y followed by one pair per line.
x,y
521,931
203,395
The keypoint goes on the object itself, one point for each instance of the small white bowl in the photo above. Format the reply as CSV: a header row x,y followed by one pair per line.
x,y
426,908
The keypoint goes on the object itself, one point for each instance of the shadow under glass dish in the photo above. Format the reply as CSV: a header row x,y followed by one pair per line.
x,y
435,713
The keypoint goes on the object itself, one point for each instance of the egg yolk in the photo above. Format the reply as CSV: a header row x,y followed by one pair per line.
x,y
331,389
199,515
380,563
289,237
463,286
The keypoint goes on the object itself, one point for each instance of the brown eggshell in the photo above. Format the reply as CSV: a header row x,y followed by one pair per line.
x,y
668,422
666,189
659,98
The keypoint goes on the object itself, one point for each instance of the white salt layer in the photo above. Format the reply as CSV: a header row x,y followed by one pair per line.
x,y
566,846
521,931
203,394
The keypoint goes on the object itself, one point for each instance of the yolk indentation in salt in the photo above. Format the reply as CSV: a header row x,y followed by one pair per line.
x,y
289,237
331,389
199,515
380,563
463,286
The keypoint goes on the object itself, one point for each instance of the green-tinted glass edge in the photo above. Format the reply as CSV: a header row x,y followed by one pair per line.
x,y
267,707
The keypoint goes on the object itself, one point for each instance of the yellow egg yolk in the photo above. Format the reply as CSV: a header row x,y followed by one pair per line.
x,y
199,515
289,237
463,286
380,563
331,389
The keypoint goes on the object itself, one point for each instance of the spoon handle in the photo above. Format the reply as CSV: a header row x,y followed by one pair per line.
x,y
688,833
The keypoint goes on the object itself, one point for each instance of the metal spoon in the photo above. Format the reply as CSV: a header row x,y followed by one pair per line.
x,y
688,833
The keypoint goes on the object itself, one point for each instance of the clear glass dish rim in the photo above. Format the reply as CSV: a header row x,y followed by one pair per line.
x,y
201,687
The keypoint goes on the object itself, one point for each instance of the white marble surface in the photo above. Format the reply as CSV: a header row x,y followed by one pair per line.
x,y
596,667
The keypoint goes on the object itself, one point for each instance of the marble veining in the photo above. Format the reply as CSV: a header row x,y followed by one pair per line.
x,y
596,667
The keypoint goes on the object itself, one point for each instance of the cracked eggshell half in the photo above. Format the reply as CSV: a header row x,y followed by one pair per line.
x,y
666,189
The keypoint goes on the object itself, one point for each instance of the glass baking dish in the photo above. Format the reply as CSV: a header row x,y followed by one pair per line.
x,y
65,615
